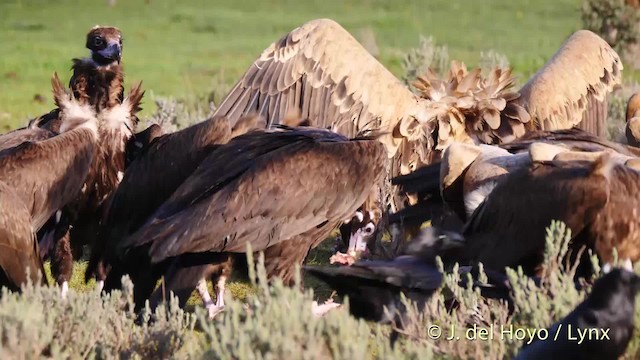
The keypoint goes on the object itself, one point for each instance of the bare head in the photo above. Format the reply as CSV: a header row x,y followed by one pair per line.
x,y
105,43
74,113
359,230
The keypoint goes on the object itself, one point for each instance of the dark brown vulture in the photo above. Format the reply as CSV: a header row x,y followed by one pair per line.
x,y
150,179
45,185
597,200
97,79
261,188
609,309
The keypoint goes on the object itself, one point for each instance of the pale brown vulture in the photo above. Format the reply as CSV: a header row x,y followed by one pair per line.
x,y
598,200
150,179
48,174
468,173
261,188
321,71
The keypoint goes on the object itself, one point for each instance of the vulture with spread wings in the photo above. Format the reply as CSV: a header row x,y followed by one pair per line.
x,y
321,72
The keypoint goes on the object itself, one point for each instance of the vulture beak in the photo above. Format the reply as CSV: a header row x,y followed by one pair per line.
x,y
358,243
111,52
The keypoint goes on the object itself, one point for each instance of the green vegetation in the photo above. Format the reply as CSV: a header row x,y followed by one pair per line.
x,y
193,48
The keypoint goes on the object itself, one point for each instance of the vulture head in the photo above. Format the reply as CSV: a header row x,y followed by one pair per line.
x,y
74,113
359,230
105,43
432,242
633,120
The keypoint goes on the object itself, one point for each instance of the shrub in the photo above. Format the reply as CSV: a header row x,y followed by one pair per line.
x,y
616,21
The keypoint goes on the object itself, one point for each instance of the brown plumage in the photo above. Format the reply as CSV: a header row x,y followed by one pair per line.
x,y
450,191
632,128
43,184
40,186
19,249
261,189
320,70
597,200
157,172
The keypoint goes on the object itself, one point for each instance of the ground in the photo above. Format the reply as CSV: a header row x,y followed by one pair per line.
x,y
191,49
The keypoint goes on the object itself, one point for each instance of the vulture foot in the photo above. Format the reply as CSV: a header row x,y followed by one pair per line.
x,y
100,285
65,289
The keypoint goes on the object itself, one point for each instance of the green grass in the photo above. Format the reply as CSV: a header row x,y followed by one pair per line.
x,y
186,49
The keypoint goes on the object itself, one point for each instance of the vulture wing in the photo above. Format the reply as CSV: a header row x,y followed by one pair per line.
x,y
17,137
321,72
262,188
156,174
45,183
573,84
18,247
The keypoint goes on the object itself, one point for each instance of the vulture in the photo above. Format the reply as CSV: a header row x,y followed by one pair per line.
x,y
98,80
468,173
42,177
632,128
156,172
259,189
322,72
597,200
607,317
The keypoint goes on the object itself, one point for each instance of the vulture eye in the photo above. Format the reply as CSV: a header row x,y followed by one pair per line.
x,y
368,230
98,41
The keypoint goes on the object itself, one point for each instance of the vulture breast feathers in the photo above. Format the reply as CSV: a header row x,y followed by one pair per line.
x,y
48,174
263,188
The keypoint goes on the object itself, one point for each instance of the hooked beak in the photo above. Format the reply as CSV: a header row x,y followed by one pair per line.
x,y
111,52
357,244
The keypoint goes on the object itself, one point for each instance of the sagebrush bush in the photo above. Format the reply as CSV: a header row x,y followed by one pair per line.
x,y
276,322
427,55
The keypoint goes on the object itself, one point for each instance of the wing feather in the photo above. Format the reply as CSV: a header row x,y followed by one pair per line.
x,y
250,196
584,69
324,67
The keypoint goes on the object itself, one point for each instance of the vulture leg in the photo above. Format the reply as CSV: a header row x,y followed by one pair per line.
x,y
189,272
62,262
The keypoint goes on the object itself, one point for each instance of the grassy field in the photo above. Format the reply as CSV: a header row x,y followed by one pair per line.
x,y
189,50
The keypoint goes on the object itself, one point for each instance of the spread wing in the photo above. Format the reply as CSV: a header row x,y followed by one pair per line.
x,y
572,84
322,72
263,188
